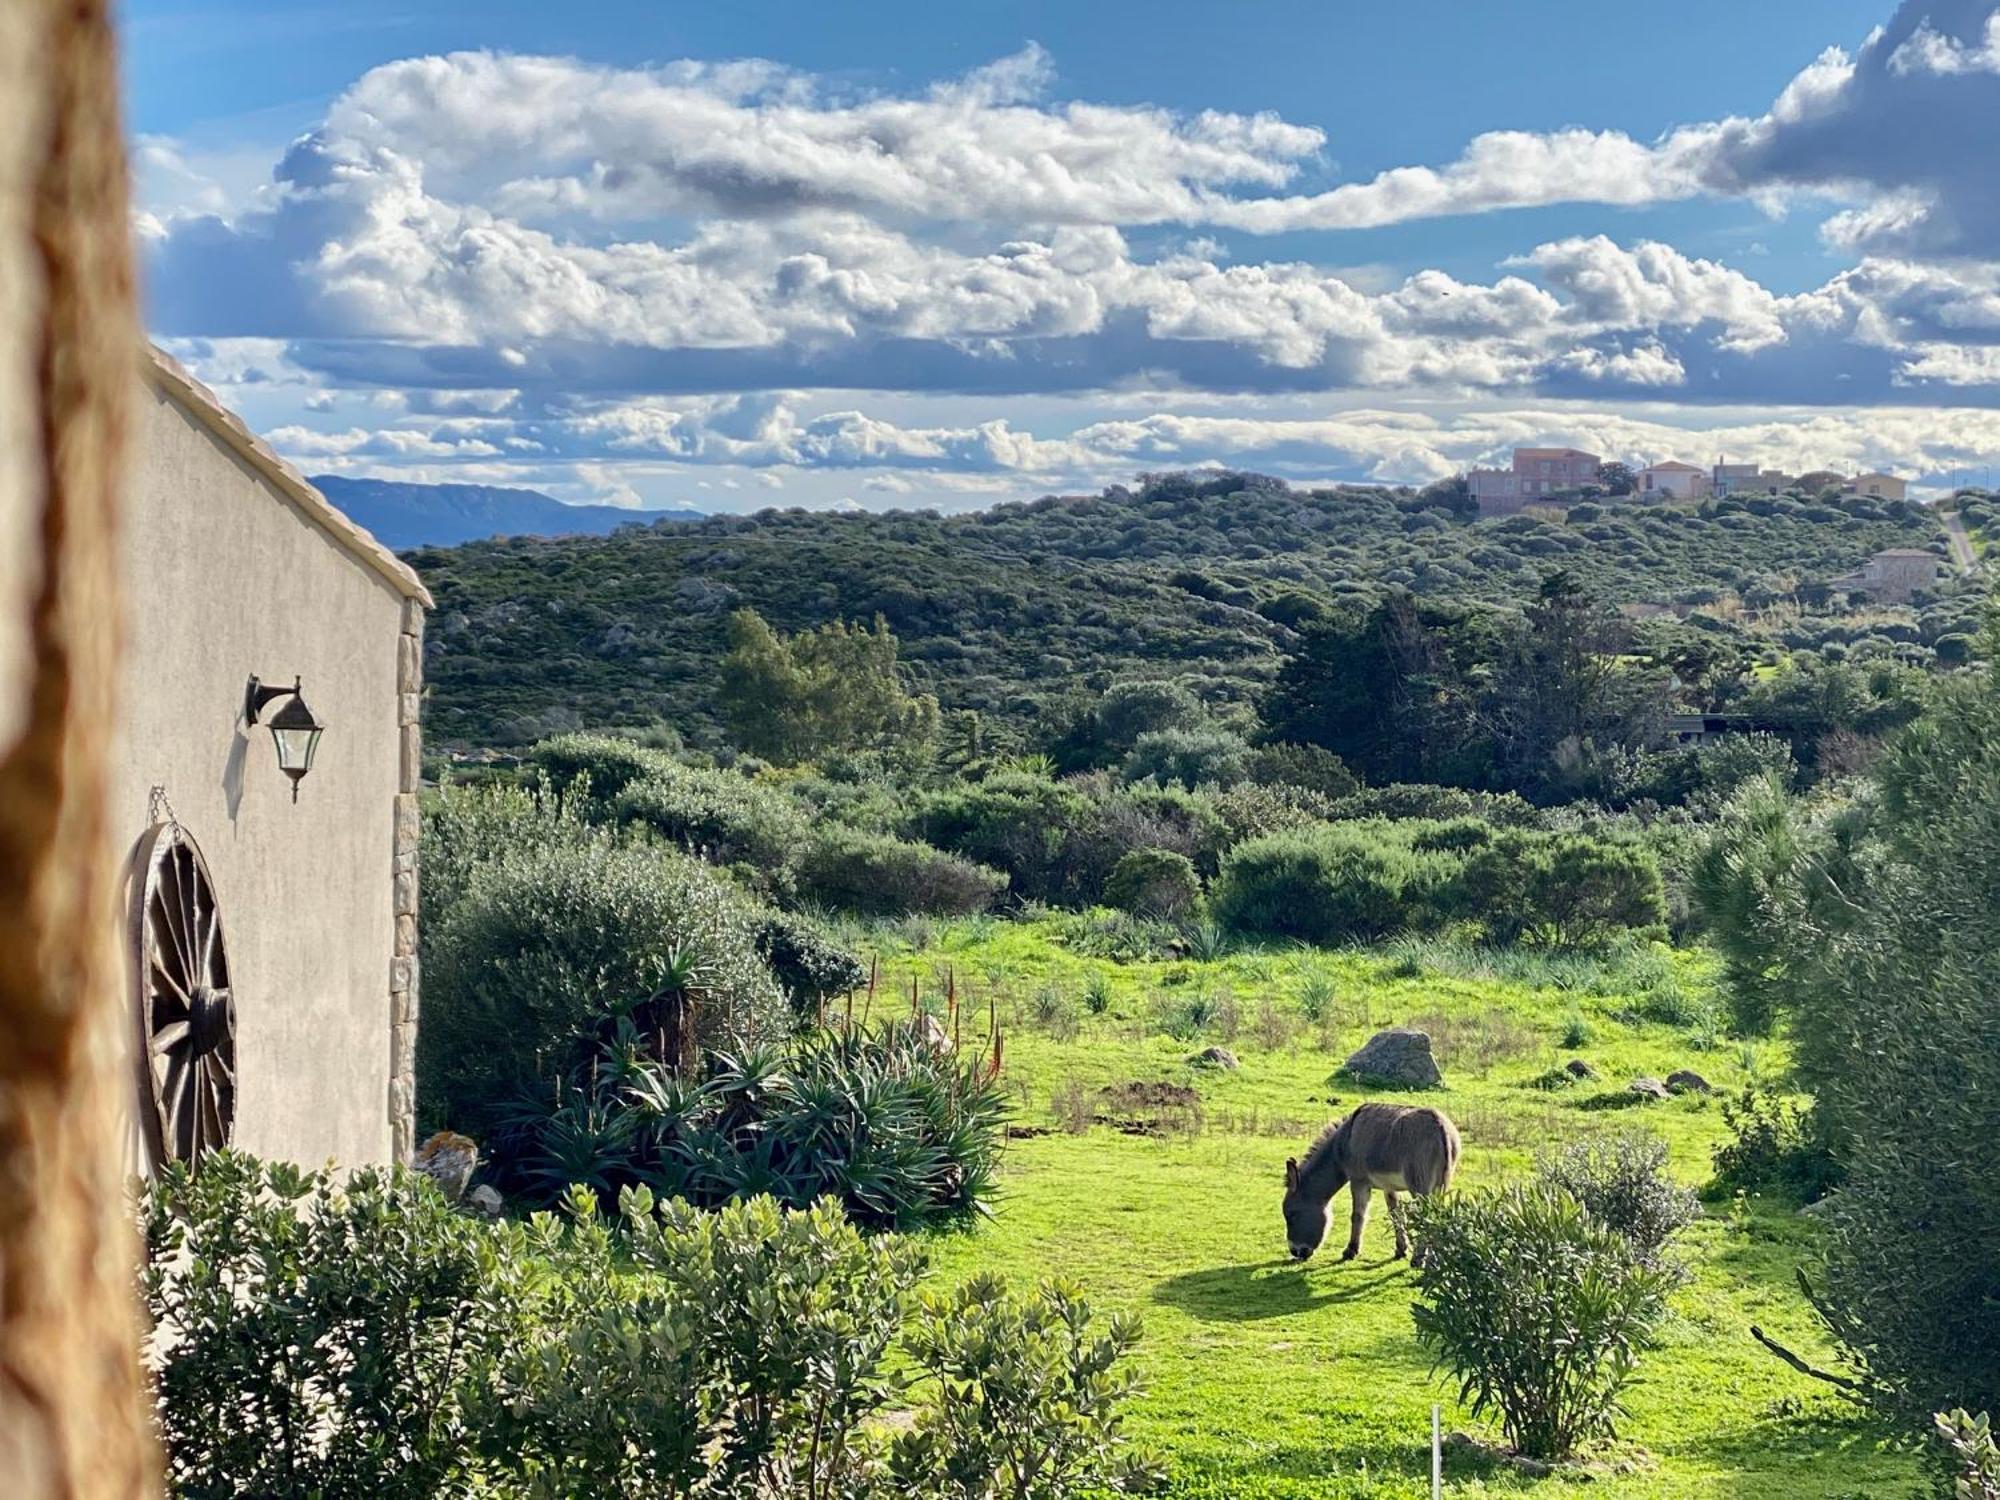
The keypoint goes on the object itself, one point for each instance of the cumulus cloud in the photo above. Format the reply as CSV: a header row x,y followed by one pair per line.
x,y
481,260
1387,444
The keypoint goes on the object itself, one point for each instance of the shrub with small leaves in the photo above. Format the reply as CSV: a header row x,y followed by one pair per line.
x,y
1539,1312
727,1353
1025,1396
1974,1458
877,874
324,1335
1622,1183
1773,1144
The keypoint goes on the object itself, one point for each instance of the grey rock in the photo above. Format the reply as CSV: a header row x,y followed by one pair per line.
x,y
1687,1081
1400,1057
1649,1088
1215,1057
486,1200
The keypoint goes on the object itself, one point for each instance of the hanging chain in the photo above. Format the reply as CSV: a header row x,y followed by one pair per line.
x,y
160,810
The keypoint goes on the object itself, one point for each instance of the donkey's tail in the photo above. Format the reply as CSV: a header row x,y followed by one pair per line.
x,y
1441,1162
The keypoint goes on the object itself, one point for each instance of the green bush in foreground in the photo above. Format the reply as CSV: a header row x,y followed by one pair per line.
x,y
1537,1311
365,1340
1975,1460
326,1339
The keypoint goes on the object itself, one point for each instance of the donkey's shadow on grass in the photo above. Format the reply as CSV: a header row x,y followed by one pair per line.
x,y
1279,1288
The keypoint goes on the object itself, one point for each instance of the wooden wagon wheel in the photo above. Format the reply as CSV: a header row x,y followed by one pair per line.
x,y
187,1012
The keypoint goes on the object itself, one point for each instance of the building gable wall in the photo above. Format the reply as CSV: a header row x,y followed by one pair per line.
x,y
226,577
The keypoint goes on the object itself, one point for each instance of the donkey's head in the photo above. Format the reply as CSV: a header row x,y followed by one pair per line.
x,y
1305,1213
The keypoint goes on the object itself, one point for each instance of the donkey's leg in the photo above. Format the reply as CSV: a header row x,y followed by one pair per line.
x,y
1359,1191
1395,1201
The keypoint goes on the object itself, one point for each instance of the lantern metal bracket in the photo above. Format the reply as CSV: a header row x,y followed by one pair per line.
x,y
258,693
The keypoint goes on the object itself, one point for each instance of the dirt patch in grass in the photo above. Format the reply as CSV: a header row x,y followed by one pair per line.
x,y
1158,1108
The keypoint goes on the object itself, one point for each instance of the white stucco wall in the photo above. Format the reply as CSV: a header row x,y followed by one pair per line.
x,y
225,577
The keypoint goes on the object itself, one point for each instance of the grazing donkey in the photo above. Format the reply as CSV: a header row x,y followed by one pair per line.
x,y
1399,1148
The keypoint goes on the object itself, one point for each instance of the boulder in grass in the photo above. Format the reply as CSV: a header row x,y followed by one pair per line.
x,y
1649,1088
448,1160
1215,1057
1576,1067
1687,1081
1398,1058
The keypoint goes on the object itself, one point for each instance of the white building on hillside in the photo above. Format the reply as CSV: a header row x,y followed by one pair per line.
x,y
1682,481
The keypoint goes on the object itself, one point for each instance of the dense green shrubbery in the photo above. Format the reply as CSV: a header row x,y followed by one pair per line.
x,y
605,763
723,817
810,966
1212,578
1331,884
327,1339
878,874
1312,768
897,1128
1156,883
1348,882
549,939
1539,1312
362,1339
1562,889
1188,757
1873,934
1025,825
1622,1183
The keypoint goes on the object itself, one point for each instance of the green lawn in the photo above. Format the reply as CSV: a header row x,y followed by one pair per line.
x,y
1268,1379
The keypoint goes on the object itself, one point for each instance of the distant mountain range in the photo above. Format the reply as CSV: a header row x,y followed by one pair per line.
x,y
443,515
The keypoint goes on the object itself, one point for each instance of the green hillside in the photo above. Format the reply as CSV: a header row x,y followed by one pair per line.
x,y
1006,610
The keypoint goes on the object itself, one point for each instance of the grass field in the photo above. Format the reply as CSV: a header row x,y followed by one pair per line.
x,y
1267,1379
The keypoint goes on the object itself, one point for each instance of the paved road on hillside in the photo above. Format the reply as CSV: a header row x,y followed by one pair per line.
x,y
1961,544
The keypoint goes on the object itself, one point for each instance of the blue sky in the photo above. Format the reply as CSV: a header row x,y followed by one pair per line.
x,y
878,254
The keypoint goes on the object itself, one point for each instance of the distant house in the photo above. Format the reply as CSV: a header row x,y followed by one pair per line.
x,y
1750,479
1537,474
1882,486
1682,481
1894,576
271,921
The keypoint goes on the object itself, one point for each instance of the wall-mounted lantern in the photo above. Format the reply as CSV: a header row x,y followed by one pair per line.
x,y
293,727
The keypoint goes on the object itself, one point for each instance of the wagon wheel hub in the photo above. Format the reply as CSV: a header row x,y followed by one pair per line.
x,y
209,1021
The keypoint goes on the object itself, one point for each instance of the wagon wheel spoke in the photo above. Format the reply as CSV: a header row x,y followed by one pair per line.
x,y
167,988
187,1013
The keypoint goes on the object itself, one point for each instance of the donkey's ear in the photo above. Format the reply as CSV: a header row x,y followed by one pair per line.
x,y
1291,1171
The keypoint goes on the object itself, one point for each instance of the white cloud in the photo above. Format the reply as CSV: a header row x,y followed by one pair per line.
x,y
1929,51
481,261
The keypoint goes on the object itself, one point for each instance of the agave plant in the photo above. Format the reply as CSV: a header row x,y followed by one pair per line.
x,y
903,1132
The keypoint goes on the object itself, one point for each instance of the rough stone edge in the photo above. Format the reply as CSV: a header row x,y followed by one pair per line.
x,y
404,976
